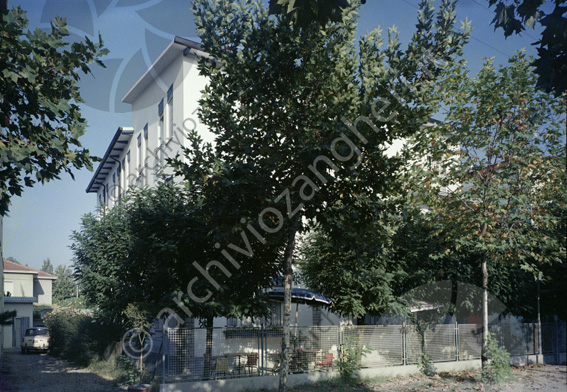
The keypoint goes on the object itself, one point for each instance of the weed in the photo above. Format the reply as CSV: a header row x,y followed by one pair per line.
x,y
426,365
352,352
498,368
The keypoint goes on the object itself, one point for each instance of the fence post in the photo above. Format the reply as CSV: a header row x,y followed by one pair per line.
x,y
262,346
165,347
457,339
404,344
556,339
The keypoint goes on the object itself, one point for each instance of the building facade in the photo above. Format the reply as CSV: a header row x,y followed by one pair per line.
x,y
24,287
164,110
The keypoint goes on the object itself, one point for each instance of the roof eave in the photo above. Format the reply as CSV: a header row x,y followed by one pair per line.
x,y
128,131
178,45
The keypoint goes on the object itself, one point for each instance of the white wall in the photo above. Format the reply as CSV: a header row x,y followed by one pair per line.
x,y
23,311
43,291
22,283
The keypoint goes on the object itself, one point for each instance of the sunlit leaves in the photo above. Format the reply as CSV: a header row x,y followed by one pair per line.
x,y
40,119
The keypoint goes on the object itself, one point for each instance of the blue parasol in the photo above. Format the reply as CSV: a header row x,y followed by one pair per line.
x,y
300,296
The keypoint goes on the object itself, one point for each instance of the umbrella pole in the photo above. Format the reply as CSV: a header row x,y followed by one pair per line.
x,y
296,306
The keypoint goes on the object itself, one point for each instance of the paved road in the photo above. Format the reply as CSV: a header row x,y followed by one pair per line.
x,y
42,372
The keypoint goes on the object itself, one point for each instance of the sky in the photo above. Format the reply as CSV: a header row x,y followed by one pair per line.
x,y
40,223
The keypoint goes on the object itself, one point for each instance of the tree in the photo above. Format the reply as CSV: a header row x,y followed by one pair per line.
x,y
47,266
13,260
151,249
280,101
64,287
40,120
354,262
500,171
551,65
39,102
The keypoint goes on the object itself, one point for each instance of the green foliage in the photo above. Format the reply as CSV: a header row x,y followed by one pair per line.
x,y
7,317
282,94
47,266
130,373
498,368
37,309
426,365
352,352
76,336
551,66
306,11
495,179
39,103
13,259
145,252
501,167
64,287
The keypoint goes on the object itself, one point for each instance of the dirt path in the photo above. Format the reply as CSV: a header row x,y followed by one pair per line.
x,y
42,372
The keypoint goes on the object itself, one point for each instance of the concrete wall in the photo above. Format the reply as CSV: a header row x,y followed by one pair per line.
x,y
21,282
271,382
23,311
43,290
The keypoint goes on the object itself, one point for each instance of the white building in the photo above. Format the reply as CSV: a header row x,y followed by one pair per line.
x,y
164,109
24,287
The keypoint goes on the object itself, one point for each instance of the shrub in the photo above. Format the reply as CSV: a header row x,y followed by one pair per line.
x,y
352,352
498,368
76,336
426,365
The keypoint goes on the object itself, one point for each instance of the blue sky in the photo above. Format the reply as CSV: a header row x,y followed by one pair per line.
x,y
136,31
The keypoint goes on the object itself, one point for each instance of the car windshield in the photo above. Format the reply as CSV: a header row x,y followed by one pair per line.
x,y
36,332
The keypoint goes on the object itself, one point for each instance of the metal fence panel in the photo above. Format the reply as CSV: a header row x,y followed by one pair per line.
x,y
384,343
440,343
470,341
198,353
519,338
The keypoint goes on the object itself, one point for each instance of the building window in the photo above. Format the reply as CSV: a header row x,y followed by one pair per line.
x,y
161,134
139,154
127,169
145,152
123,176
169,130
113,191
118,183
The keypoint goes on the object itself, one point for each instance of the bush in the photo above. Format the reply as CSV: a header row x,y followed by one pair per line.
x,y
352,352
498,368
426,365
76,336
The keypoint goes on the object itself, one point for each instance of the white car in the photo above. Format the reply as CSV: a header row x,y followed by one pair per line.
x,y
35,339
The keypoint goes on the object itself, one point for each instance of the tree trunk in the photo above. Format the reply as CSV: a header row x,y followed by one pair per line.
x,y
208,348
288,279
1,285
484,357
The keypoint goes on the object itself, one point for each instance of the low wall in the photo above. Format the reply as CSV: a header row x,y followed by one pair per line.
x,y
247,383
271,382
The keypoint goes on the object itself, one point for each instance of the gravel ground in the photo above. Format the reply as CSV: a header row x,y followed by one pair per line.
x,y
541,378
42,372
